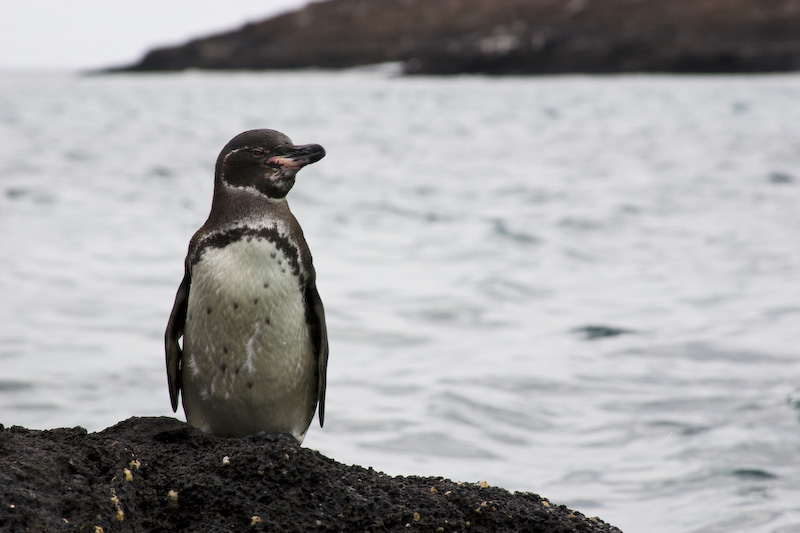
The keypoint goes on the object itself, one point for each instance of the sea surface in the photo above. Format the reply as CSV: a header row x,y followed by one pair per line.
x,y
583,287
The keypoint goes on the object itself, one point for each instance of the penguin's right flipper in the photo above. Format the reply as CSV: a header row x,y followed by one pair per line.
x,y
175,327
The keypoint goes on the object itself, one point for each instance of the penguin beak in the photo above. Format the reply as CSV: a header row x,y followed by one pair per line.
x,y
296,157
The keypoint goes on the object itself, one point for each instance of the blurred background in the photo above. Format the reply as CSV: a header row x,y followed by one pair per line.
x,y
579,278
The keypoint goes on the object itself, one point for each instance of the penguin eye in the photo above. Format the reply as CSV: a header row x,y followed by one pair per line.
x,y
258,152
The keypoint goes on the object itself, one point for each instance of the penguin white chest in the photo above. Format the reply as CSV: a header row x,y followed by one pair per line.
x,y
249,359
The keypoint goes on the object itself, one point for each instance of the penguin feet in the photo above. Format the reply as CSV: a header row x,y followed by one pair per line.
x,y
285,438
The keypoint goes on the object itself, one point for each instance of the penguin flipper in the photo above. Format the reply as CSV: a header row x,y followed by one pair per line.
x,y
320,332
175,327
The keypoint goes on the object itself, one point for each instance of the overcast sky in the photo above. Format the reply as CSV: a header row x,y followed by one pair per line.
x,y
81,34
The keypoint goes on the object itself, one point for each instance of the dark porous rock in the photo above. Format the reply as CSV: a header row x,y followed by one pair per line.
x,y
508,37
159,474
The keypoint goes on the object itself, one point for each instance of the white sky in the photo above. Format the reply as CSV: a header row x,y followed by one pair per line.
x,y
86,34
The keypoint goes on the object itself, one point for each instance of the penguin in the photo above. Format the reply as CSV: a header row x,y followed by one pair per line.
x,y
254,352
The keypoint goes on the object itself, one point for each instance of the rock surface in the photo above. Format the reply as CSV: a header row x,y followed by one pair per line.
x,y
508,37
159,474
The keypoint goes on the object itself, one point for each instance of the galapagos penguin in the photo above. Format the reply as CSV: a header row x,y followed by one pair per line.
x,y
254,354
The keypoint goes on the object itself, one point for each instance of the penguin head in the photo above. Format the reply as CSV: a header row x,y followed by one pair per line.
x,y
264,160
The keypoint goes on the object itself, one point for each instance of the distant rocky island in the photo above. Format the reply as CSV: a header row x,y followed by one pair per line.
x,y
507,37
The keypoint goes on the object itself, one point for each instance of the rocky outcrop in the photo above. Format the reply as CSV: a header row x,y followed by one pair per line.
x,y
508,37
159,474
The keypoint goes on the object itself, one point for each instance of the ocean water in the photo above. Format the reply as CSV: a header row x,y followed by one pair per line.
x,y
584,287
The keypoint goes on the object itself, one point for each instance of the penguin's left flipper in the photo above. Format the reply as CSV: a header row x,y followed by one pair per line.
x,y
175,327
320,338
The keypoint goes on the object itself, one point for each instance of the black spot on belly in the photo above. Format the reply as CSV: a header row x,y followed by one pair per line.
x,y
266,284
249,385
272,255
255,301
237,371
235,305
208,310
223,367
224,349
266,321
